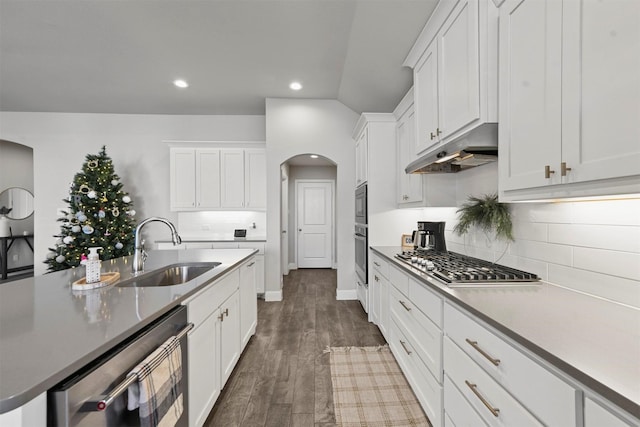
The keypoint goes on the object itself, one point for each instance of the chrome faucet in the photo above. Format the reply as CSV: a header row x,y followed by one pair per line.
x,y
139,254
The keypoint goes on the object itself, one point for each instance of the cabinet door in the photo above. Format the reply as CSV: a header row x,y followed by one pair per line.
x,y
259,274
384,307
232,178
204,369
374,294
248,301
255,179
409,185
458,69
207,178
361,158
530,92
182,177
229,336
596,415
601,89
426,103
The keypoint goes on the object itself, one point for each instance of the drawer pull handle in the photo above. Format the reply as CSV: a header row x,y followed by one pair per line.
x,y
402,303
376,278
221,317
226,312
251,265
474,344
403,344
377,265
474,389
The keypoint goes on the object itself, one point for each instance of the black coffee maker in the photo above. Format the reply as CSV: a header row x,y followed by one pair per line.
x,y
430,235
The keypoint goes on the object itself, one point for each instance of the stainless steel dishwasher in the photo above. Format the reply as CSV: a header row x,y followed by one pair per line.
x,y
95,396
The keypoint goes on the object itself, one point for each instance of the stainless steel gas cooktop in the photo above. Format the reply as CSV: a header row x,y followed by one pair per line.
x,y
461,270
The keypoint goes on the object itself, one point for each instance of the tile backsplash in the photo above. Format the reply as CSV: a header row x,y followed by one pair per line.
x,y
591,247
215,225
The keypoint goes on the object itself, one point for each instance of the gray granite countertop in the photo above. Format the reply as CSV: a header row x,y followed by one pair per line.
x,y
48,331
218,238
595,341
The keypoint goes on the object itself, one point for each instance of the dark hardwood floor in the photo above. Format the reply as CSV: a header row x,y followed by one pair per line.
x,y
283,377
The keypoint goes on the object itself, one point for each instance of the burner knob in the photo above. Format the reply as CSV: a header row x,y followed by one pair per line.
x,y
430,265
414,259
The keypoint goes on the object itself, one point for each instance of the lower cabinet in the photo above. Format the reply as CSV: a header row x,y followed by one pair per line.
x,y
215,342
598,415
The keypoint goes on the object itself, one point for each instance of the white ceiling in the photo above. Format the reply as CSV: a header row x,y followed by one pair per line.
x,y
120,56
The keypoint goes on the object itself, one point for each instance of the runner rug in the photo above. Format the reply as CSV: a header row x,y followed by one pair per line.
x,y
369,389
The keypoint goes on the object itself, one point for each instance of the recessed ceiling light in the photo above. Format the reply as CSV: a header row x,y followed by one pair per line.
x,y
313,156
181,83
295,86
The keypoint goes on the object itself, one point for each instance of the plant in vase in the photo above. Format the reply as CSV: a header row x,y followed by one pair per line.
x,y
487,214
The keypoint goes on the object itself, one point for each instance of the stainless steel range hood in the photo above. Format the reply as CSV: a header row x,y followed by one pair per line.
x,y
476,148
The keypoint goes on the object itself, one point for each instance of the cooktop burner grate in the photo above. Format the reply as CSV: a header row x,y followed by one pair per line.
x,y
454,268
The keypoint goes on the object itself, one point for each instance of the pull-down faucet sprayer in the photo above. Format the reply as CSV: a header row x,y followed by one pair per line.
x,y
139,254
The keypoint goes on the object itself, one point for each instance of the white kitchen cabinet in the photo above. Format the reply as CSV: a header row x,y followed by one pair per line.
x,y
455,72
194,178
232,178
255,182
214,342
210,178
415,190
32,413
229,335
458,412
248,301
569,98
598,415
538,391
362,162
379,307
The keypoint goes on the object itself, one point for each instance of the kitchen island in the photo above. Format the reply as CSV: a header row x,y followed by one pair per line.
x,y
48,331
592,344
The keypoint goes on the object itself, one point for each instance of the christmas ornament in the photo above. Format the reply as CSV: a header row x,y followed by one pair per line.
x,y
126,199
101,214
51,255
75,229
131,212
84,189
82,218
92,194
92,164
114,182
60,259
87,229
115,211
119,245
67,239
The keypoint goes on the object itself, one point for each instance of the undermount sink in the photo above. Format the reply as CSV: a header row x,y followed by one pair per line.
x,y
175,274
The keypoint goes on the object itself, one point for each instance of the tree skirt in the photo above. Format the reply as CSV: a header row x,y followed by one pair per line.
x,y
369,389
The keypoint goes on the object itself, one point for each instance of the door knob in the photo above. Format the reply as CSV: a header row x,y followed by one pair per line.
x,y
299,229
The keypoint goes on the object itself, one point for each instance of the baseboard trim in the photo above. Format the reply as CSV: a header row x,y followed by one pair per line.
x,y
273,296
347,295
293,266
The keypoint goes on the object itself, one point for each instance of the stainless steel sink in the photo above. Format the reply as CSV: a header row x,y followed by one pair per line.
x,y
175,274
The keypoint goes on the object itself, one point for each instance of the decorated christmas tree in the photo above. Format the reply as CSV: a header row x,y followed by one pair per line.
x,y
100,214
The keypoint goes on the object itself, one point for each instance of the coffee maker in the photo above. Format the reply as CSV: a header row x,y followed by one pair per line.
x,y
430,235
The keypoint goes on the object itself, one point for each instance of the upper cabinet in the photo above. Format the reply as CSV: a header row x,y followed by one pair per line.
x,y
455,72
569,98
217,178
362,154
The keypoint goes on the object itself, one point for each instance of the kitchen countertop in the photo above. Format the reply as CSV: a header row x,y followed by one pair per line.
x,y
593,340
48,331
218,238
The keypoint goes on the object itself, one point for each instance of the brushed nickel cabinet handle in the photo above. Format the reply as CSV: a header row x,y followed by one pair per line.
x,y
221,317
376,264
475,345
402,303
226,312
548,172
564,169
432,136
376,278
438,131
403,344
474,389
251,265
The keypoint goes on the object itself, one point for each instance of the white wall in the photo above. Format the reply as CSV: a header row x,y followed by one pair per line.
x,y
60,142
591,247
301,126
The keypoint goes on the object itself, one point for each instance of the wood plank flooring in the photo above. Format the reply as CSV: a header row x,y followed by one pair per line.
x,y
283,377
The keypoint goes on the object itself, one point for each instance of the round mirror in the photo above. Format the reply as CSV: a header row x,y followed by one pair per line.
x,y
19,201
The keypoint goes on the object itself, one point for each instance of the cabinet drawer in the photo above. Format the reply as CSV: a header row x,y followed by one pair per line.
x,y
425,336
208,300
399,279
457,411
426,301
483,392
380,265
552,400
423,384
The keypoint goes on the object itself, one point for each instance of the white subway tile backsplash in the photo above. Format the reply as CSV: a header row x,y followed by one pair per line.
x,y
609,212
543,212
614,237
530,231
614,263
614,288
541,251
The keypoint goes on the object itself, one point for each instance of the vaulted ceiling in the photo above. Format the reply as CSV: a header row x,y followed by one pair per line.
x,y
121,56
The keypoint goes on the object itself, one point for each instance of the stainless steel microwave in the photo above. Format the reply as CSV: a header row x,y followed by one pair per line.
x,y
361,204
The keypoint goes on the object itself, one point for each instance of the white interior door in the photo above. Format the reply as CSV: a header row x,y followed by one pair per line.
x,y
314,201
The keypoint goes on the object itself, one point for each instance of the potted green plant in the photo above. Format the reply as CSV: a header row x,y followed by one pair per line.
x,y
487,214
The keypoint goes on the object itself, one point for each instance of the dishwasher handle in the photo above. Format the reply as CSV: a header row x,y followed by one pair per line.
x,y
102,402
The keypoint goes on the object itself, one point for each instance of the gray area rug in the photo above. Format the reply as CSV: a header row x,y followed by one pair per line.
x,y
369,389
